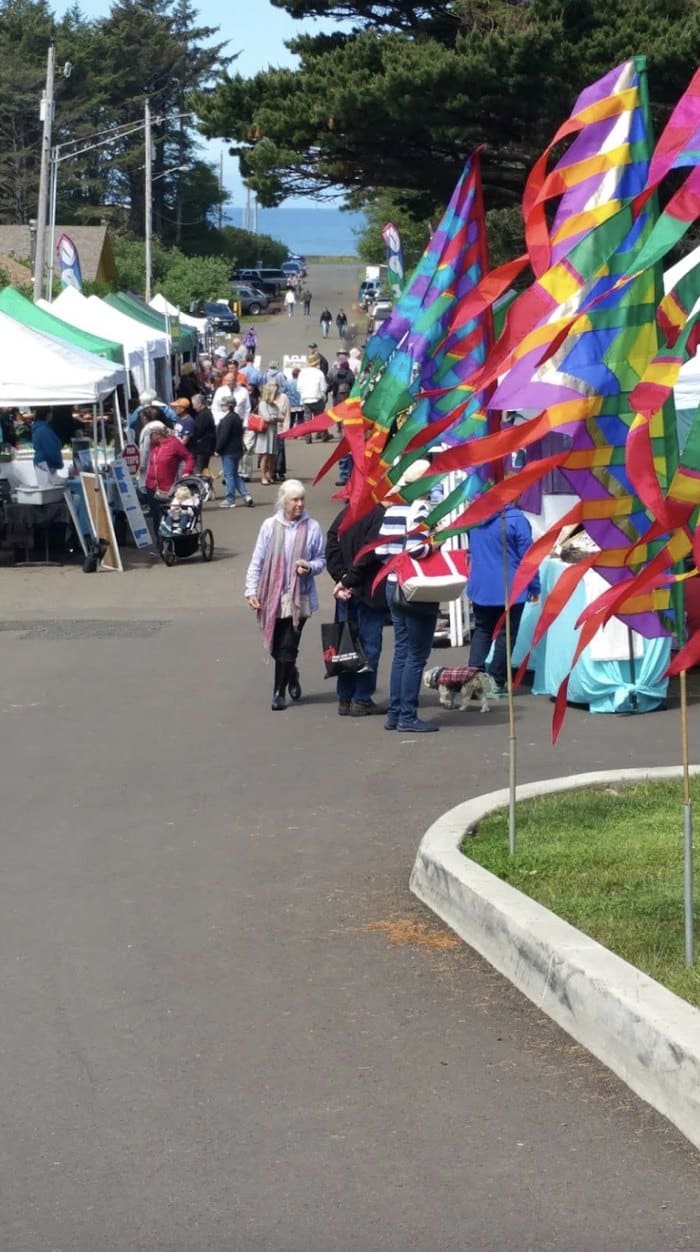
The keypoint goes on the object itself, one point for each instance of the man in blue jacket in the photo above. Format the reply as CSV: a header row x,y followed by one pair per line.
x,y
486,587
46,444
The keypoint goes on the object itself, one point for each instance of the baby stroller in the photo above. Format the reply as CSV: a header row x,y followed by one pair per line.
x,y
180,533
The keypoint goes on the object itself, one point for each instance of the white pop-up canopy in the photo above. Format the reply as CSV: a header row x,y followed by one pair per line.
x,y
161,305
143,348
38,369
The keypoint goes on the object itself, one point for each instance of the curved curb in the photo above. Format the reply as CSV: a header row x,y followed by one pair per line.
x,y
647,1035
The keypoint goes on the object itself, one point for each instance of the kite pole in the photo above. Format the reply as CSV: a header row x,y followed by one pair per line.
x,y
687,828
512,739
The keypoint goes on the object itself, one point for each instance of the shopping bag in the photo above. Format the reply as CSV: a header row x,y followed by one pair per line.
x,y
342,653
434,579
257,423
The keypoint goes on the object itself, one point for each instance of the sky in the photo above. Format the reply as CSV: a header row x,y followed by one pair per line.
x,y
254,29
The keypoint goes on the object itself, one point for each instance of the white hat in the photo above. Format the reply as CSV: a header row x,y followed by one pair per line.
x,y
221,352
414,471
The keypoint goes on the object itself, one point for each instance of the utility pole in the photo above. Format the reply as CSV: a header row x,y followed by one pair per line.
x,y
148,199
221,189
46,116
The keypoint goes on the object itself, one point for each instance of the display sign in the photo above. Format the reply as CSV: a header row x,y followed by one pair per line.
x,y
101,515
132,457
130,502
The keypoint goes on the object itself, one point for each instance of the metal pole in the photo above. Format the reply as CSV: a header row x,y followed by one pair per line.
x,y
46,115
148,200
687,829
512,740
52,229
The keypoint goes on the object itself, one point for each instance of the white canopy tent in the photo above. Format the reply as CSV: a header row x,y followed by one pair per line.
x,y
144,349
686,392
161,305
38,369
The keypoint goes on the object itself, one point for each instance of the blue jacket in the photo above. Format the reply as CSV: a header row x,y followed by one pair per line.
x,y
485,584
46,445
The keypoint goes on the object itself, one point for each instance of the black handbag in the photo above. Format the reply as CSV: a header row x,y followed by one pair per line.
x,y
342,653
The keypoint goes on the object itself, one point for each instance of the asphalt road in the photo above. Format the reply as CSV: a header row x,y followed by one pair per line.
x,y
225,1022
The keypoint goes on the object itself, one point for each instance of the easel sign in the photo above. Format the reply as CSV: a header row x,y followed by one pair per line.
x,y
100,512
130,504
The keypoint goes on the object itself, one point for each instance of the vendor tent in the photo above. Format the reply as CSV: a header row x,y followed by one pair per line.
x,y
147,352
22,310
161,305
686,392
38,369
184,339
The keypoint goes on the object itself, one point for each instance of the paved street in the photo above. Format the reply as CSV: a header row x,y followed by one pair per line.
x,y
226,1024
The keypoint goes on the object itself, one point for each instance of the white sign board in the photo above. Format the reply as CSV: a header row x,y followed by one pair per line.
x,y
130,504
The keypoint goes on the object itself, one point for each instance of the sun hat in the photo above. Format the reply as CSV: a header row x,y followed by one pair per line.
x,y
414,471
313,358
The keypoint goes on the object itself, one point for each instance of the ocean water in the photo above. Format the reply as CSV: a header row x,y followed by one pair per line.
x,y
322,231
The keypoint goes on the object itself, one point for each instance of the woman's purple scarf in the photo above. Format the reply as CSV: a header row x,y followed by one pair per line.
x,y
271,584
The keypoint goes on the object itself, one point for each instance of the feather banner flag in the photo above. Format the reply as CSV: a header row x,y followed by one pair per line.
x,y
69,263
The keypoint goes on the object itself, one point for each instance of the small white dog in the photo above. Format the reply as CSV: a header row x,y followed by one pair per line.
x,y
464,682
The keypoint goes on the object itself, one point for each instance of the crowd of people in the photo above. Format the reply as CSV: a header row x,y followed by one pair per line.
x,y
290,552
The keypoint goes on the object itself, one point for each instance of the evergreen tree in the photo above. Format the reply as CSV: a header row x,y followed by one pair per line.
x,y
25,35
403,98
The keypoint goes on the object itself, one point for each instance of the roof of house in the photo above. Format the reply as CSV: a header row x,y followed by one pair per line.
x,y
91,242
18,274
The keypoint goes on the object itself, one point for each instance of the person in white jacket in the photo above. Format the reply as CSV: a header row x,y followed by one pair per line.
x,y
312,387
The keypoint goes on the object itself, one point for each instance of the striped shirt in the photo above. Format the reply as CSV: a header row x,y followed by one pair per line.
x,y
395,531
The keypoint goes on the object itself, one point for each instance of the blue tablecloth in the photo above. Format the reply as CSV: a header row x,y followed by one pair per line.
x,y
605,686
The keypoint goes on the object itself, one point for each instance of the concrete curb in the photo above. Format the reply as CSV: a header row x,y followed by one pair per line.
x,y
649,1037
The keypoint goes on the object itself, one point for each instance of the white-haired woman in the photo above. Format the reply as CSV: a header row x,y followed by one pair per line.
x,y
280,584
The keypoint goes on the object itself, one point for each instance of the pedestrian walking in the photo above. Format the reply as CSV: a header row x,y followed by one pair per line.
x,y
289,301
341,321
306,302
229,445
280,584
326,320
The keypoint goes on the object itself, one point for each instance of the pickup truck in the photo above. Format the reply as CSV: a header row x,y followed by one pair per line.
x,y
269,281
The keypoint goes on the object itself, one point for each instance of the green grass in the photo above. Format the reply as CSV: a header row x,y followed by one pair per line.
x,y
609,860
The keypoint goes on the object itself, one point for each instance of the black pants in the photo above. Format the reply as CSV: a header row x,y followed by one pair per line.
x,y
485,619
286,639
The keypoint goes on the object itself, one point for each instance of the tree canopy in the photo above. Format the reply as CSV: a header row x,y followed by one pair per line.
x,y
143,48
397,102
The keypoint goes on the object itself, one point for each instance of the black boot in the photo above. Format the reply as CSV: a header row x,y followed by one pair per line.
x,y
281,676
294,685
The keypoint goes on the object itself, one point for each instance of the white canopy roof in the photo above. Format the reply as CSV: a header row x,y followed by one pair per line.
x,y
38,369
161,305
142,346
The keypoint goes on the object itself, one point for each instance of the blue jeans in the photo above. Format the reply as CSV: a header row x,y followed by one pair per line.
x,y
370,624
413,641
234,482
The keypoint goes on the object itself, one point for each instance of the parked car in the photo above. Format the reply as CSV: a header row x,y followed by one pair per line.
x,y
378,312
250,300
293,267
368,292
270,281
220,316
